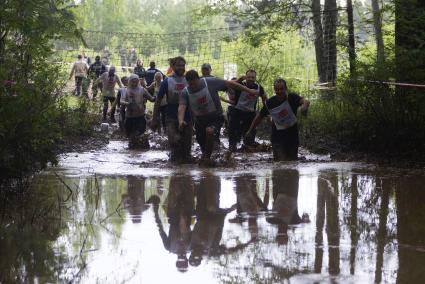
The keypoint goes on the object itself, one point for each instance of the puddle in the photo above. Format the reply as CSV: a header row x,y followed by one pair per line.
x,y
121,216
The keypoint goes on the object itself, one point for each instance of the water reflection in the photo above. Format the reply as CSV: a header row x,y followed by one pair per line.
x,y
249,205
285,202
208,229
180,208
327,209
410,196
134,198
218,228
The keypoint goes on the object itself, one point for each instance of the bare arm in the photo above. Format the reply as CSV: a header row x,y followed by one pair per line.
x,y
119,82
124,101
115,103
72,71
227,101
263,97
305,104
258,118
236,86
151,87
149,96
97,80
182,110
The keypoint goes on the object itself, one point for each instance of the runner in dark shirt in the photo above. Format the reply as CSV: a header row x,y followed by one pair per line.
x,y
150,73
140,71
244,111
96,69
206,70
283,109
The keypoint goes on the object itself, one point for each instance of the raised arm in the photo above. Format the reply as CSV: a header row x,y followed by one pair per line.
x,y
227,101
236,86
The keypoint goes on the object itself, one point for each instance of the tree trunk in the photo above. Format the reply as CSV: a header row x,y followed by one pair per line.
x,y
329,37
410,40
382,229
332,225
318,40
377,25
410,229
354,237
351,41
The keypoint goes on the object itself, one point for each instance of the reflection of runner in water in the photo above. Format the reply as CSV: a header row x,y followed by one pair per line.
x,y
285,202
208,229
134,199
180,207
249,204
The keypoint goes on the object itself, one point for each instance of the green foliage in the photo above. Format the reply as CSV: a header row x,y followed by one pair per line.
x,y
367,115
146,17
33,117
282,55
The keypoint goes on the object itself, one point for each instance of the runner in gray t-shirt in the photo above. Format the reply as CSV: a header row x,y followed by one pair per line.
x,y
201,96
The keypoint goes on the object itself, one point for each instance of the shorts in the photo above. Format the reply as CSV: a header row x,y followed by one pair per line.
x,y
135,126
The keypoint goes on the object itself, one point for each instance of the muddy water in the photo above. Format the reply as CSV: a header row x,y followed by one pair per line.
x,y
120,216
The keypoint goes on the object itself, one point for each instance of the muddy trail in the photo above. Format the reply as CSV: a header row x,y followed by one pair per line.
x,y
109,214
109,153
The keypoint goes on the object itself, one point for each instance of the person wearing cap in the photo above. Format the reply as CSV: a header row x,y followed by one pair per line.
x,y
283,109
96,69
79,70
150,73
206,70
179,139
244,111
201,97
109,80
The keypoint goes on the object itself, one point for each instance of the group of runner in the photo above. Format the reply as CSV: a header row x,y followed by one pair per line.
x,y
185,101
